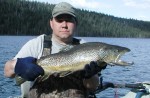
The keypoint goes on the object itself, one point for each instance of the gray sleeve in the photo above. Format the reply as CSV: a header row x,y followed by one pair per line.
x,y
32,48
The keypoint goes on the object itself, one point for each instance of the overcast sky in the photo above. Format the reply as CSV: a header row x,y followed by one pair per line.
x,y
135,9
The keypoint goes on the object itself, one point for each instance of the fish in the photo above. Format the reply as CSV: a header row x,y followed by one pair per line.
x,y
75,58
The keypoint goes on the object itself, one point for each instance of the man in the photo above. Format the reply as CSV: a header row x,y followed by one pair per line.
x,y
79,84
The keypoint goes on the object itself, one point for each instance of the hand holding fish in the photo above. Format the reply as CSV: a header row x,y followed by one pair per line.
x,y
27,68
92,69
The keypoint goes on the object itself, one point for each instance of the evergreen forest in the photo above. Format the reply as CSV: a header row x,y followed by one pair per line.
x,y
23,17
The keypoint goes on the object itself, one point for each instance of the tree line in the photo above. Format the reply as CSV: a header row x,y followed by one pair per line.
x,y
22,17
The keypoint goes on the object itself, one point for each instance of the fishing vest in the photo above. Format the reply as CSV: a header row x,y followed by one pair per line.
x,y
70,86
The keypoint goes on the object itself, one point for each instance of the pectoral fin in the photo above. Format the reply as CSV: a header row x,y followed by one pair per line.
x,y
19,80
65,73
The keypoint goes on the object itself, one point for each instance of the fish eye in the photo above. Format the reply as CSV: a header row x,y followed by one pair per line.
x,y
116,50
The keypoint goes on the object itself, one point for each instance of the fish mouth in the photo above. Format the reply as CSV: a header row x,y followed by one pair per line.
x,y
123,63
120,62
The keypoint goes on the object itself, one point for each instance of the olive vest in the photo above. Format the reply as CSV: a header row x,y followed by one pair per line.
x,y
70,86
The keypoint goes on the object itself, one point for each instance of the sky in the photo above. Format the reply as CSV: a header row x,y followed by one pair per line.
x,y
134,9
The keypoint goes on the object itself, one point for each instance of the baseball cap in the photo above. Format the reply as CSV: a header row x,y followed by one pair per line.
x,y
63,8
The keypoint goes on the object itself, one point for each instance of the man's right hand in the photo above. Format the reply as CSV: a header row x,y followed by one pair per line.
x,y
28,69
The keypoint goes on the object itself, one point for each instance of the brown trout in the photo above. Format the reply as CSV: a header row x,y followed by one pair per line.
x,y
75,59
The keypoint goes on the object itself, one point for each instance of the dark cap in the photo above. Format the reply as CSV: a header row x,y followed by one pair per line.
x,y
63,8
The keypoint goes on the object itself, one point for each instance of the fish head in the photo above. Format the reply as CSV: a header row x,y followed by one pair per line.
x,y
112,54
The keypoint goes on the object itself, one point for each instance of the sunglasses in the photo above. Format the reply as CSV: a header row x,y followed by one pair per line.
x,y
65,17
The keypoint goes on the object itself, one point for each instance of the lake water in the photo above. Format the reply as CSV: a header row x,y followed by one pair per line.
x,y
139,72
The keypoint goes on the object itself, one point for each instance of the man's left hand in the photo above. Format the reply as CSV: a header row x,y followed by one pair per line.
x,y
93,68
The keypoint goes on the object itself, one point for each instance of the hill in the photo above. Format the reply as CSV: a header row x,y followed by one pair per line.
x,y
22,17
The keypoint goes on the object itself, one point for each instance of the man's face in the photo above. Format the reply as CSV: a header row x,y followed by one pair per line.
x,y
63,26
